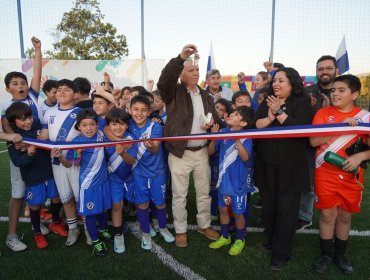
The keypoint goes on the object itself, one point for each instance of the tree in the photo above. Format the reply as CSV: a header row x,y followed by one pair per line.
x,y
82,35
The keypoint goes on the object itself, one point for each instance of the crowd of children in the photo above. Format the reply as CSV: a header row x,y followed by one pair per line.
x,y
89,182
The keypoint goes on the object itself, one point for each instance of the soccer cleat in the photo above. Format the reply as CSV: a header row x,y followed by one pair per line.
x,y
73,235
237,247
58,229
105,235
100,250
222,241
146,241
301,225
88,238
153,233
155,225
15,244
119,244
166,234
343,264
322,264
40,241
134,226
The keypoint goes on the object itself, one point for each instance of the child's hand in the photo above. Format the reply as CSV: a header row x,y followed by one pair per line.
x,y
149,144
156,120
20,147
106,78
36,43
150,85
31,150
14,137
121,149
351,121
56,152
268,66
241,77
352,162
215,128
116,94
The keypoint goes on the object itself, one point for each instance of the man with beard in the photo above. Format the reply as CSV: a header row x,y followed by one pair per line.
x,y
326,71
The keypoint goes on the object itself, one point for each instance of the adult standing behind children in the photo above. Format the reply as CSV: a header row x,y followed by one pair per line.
x,y
185,103
281,169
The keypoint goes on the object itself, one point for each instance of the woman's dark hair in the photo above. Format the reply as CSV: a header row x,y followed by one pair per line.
x,y
294,78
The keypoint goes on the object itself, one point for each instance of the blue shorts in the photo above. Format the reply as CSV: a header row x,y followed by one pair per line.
x,y
147,189
238,202
37,194
120,189
95,199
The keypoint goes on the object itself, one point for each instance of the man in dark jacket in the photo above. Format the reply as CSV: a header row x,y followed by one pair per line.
x,y
185,103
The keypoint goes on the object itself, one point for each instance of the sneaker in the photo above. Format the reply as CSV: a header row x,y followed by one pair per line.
x,y
100,250
301,225
322,264
258,204
105,235
88,238
119,244
146,241
153,233
134,226
58,229
222,241
73,235
181,240
15,244
237,247
43,228
278,264
155,225
209,232
40,241
47,202
167,235
343,264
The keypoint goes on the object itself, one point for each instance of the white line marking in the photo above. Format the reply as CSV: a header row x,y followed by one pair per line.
x,y
3,151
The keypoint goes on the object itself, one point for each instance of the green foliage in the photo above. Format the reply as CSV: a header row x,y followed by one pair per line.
x,y
82,35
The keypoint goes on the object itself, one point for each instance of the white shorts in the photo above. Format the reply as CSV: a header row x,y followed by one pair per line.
x,y
18,185
67,180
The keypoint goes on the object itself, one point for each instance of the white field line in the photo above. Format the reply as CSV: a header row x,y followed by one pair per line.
x,y
3,151
353,232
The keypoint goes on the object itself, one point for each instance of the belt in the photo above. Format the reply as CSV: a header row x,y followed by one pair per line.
x,y
194,149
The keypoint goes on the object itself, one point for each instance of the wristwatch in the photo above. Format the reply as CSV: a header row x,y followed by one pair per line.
x,y
279,112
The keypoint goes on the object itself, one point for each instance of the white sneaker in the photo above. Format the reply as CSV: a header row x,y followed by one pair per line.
x,y
73,235
119,244
47,202
166,234
146,241
15,244
152,231
155,225
88,238
134,226
43,228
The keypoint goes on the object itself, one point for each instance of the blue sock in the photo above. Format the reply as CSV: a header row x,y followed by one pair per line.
x,y
35,220
91,227
225,230
153,210
161,215
247,214
143,217
240,234
102,220
55,212
214,202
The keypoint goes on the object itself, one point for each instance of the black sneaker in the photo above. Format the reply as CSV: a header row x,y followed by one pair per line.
x,y
322,264
344,264
278,264
100,250
301,225
258,204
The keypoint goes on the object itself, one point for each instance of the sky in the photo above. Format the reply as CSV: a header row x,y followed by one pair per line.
x,y
240,31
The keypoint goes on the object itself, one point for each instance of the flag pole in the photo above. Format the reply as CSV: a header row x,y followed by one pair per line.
x,y
271,58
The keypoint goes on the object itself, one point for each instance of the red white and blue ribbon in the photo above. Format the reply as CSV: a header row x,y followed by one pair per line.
x,y
274,132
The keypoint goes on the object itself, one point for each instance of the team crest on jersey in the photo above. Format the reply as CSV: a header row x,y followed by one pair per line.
x,y
73,115
227,199
331,119
359,120
90,205
145,135
62,134
29,195
30,102
51,119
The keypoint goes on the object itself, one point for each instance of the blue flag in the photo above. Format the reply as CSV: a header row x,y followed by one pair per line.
x,y
342,57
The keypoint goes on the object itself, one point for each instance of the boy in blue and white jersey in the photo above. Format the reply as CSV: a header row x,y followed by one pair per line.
x,y
58,124
50,88
17,85
148,170
95,197
233,173
119,160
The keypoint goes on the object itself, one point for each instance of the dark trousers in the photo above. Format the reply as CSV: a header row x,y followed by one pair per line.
x,y
279,212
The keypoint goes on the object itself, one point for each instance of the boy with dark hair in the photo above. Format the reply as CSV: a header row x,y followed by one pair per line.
x,y
241,98
148,170
82,98
338,191
36,171
50,89
58,124
119,161
16,84
103,101
232,181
